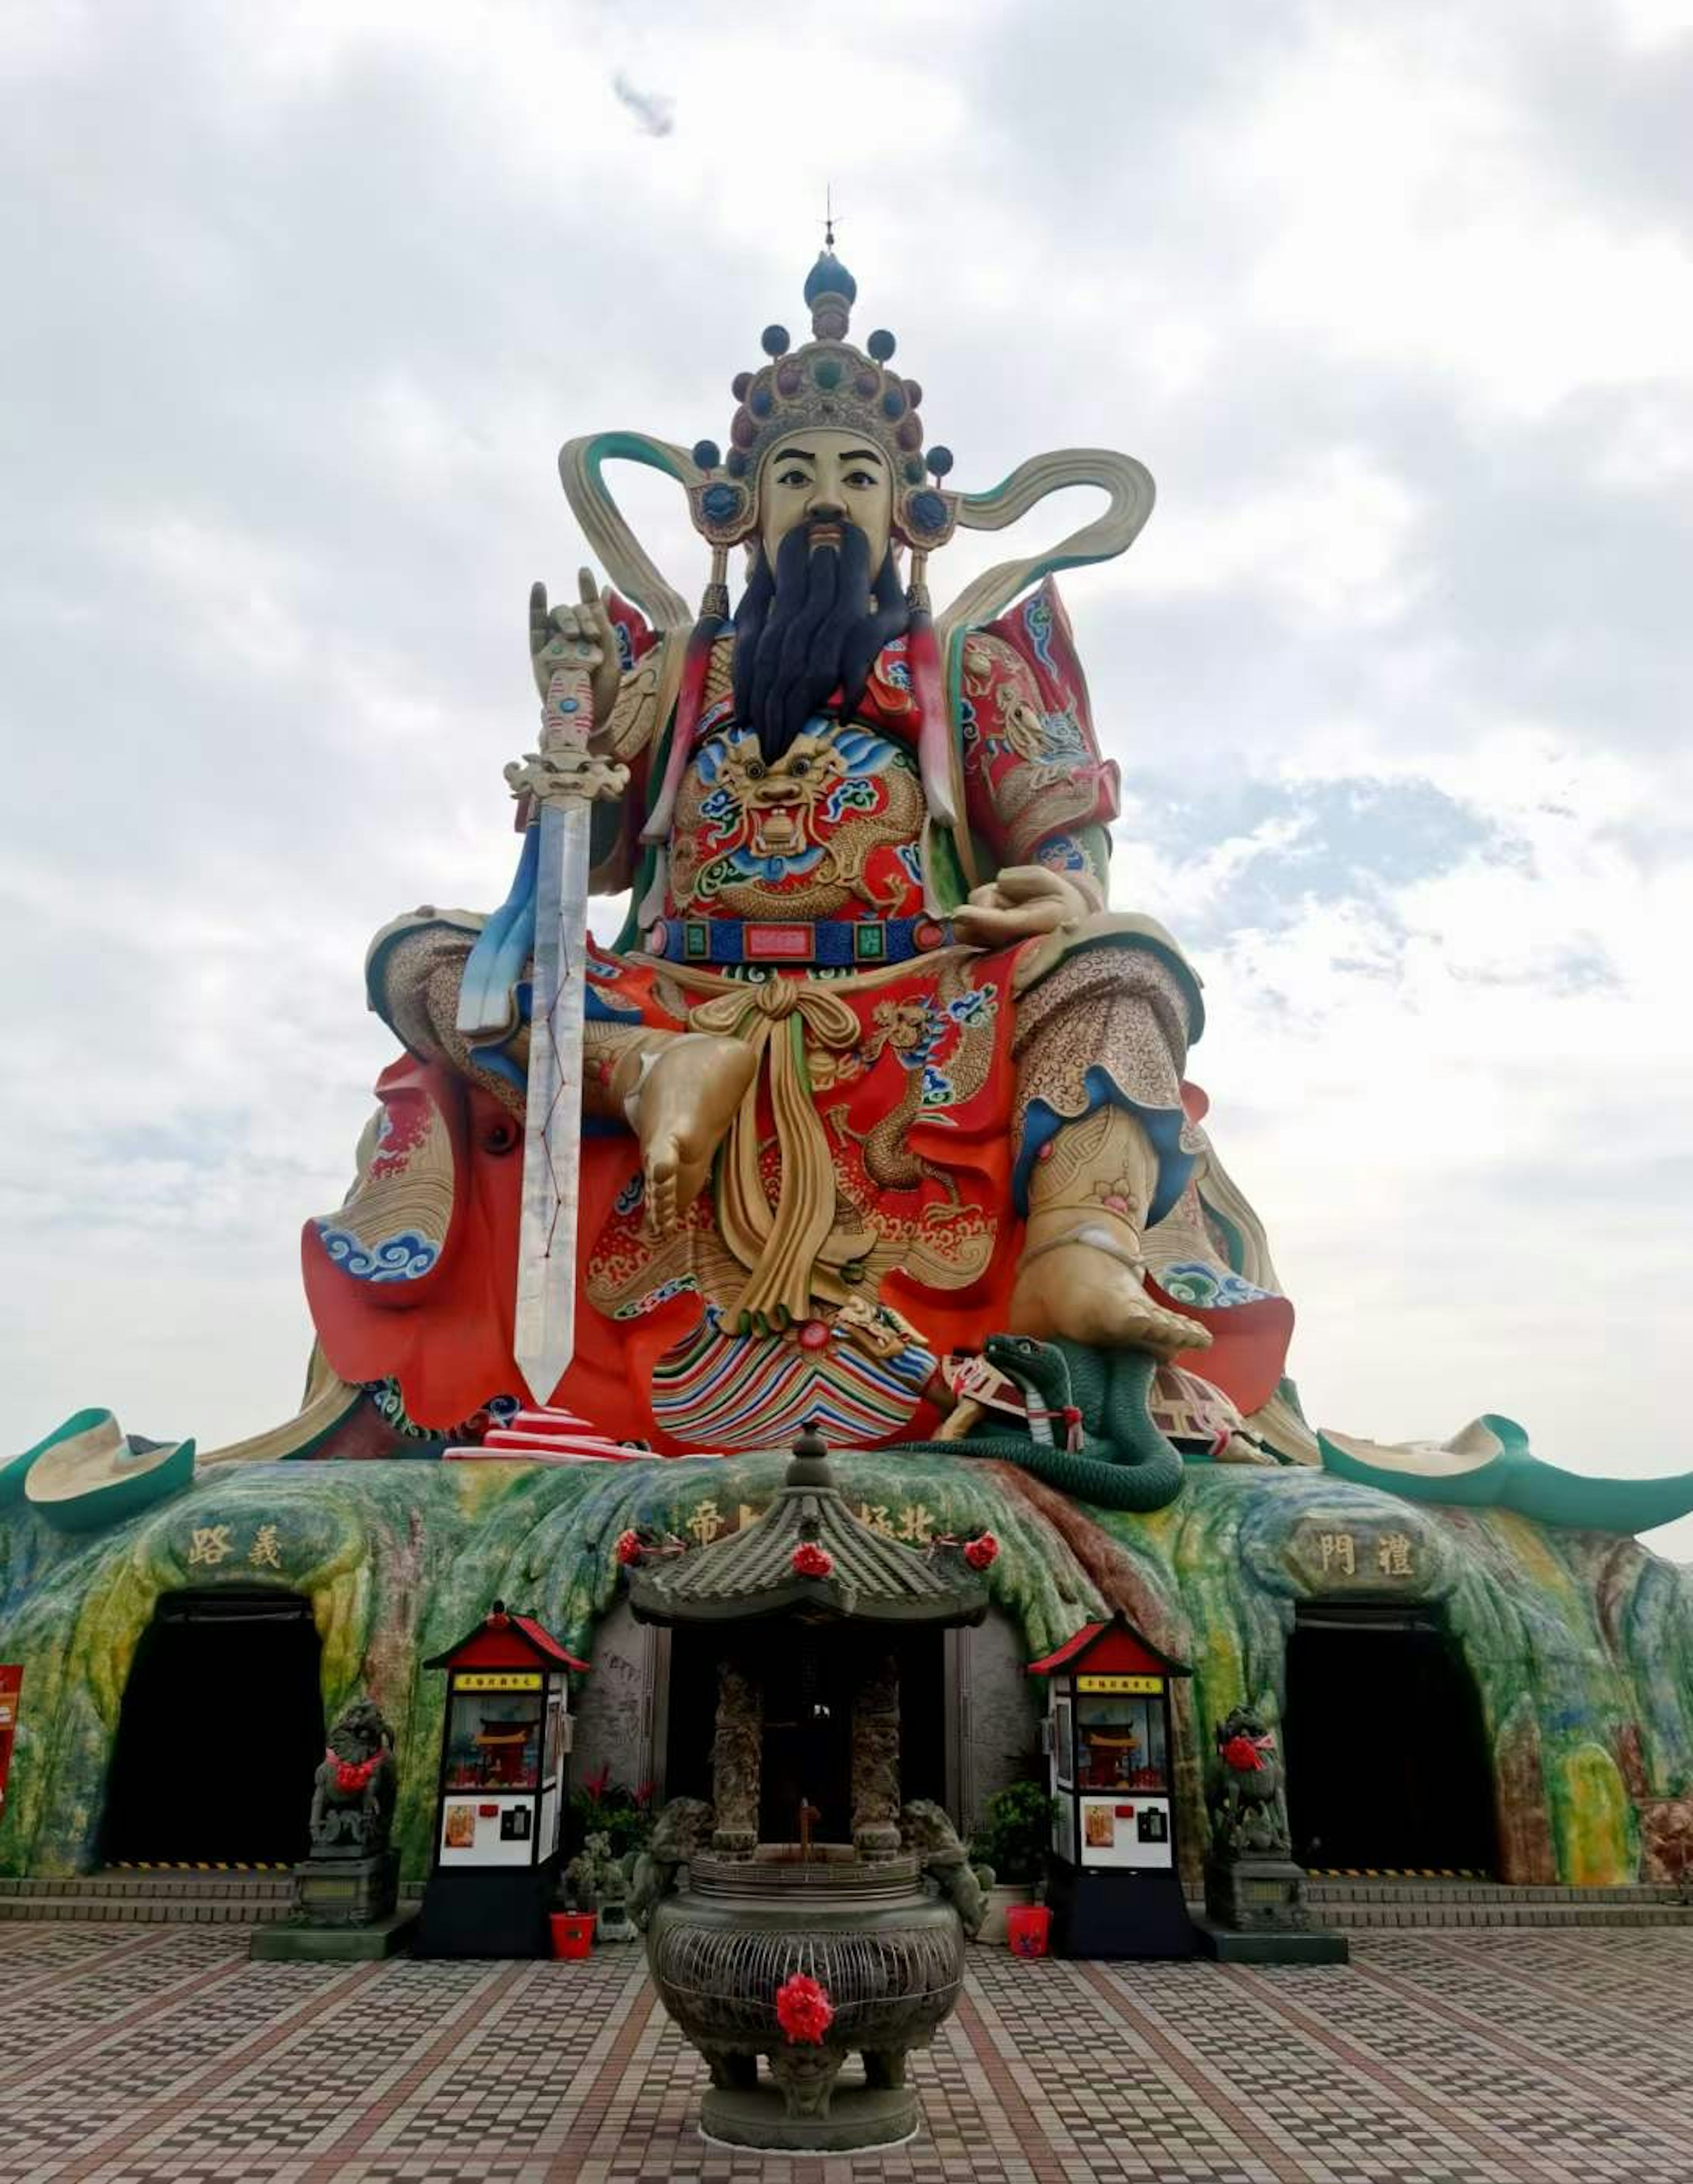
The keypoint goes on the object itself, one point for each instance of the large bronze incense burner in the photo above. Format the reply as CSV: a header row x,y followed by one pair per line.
x,y
791,1946
886,1949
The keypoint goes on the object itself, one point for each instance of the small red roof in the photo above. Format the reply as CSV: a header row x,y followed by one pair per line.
x,y
1121,1648
504,1639
547,1643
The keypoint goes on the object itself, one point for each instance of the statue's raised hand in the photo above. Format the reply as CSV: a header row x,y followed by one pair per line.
x,y
1021,901
574,636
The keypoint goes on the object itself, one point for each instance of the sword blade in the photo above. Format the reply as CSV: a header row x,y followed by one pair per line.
x,y
545,1334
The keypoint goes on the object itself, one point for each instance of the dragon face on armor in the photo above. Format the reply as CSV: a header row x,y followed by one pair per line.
x,y
777,802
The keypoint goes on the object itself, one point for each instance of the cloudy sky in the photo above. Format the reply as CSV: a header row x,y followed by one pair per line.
x,y
1394,300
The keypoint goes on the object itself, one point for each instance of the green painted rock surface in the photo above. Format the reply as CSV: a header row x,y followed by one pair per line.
x,y
1581,1643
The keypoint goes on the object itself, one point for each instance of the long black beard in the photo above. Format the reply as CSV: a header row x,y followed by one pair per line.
x,y
805,629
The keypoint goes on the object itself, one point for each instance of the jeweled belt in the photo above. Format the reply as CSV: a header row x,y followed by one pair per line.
x,y
834,942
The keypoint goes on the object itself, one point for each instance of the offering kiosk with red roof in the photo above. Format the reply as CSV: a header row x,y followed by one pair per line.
x,y
501,1792
1115,1889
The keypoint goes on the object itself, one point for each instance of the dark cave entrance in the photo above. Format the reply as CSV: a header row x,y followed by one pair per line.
x,y
220,1733
1387,1765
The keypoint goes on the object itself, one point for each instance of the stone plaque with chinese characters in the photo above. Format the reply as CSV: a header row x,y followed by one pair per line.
x,y
1337,1555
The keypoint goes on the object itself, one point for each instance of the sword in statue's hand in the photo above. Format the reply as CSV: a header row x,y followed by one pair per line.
x,y
562,780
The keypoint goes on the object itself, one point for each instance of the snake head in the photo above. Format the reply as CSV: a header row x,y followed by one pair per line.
x,y
1008,1351
1024,1356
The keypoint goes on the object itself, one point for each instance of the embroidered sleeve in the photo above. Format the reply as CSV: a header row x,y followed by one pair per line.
x,y
1034,775
629,736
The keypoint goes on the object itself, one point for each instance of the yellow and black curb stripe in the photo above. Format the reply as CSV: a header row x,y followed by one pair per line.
x,y
1396,1873
192,1865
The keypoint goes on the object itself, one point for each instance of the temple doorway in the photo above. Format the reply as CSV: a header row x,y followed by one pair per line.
x,y
808,1718
1388,1768
220,1733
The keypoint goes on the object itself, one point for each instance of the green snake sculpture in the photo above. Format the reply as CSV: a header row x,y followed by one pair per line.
x,y
1124,1461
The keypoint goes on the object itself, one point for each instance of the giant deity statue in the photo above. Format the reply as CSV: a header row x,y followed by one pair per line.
x,y
873,1076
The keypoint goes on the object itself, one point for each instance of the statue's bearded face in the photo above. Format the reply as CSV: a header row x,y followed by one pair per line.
x,y
824,595
817,478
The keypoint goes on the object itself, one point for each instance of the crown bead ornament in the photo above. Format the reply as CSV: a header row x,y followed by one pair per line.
x,y
829,383
831,292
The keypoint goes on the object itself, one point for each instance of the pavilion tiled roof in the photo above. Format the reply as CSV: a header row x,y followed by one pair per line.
x,y
751,1573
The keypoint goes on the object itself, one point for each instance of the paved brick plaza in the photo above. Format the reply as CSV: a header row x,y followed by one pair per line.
x,y
139,2055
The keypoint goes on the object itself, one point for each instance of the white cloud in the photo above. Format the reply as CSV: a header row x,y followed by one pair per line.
x,y
1414,224
304,318
1332,541
1650,26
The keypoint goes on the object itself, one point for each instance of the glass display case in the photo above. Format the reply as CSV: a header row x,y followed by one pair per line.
x,y
502,1789
1120,1739
1116,1888
493,1740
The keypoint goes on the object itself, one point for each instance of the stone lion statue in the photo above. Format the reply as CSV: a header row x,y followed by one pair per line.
x,y
353,1791
1244,1794
925,1829
681,1830
585,1876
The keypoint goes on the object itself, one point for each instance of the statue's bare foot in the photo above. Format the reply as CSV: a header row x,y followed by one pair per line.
x,y
683,1102
1085,1292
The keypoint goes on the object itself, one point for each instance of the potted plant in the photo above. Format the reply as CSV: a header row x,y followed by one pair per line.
x,y
600,1806
1008,1850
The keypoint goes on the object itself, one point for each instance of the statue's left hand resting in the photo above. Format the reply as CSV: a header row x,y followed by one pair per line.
x,y
556,633
1021,901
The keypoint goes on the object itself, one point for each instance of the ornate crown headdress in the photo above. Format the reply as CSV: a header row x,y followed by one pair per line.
x,y
826,383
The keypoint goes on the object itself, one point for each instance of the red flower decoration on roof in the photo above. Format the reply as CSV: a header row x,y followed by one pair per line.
x,y
804,2010
982,1551
810,1560
629,1548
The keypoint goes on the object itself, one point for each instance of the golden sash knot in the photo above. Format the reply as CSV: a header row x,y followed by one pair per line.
x,y
781,1247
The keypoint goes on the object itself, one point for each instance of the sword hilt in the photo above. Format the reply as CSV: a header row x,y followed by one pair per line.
x,y
567,716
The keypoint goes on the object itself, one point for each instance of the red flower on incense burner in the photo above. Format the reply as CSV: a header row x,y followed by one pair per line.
x,y
1242,1755
982,1551
810,1560
628,1548
804,2010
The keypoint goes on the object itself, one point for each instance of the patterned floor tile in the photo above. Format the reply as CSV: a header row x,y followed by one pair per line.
x,y
1473,2056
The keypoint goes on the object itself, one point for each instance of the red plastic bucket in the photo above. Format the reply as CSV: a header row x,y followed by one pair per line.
x,y
1027,1927
572,1932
